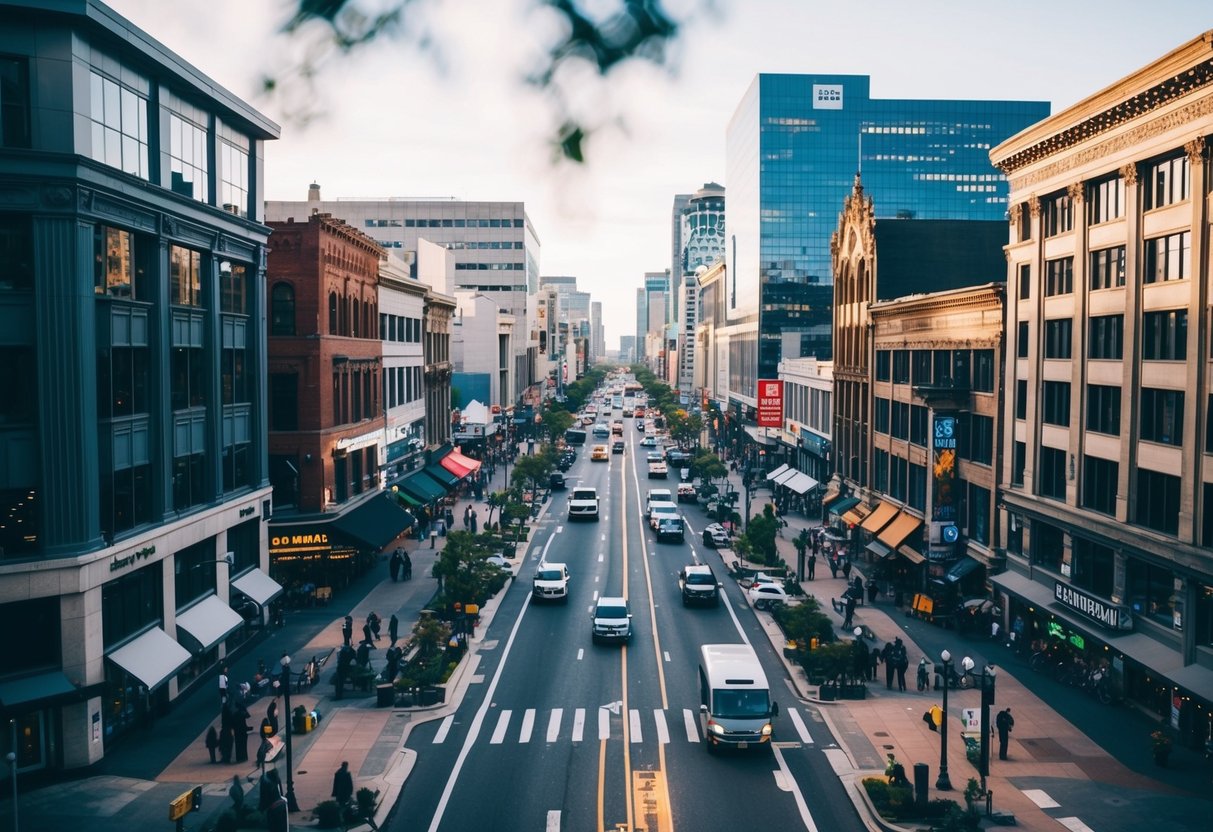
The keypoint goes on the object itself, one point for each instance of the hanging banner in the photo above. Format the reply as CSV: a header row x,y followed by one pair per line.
x,y
943,474
770,403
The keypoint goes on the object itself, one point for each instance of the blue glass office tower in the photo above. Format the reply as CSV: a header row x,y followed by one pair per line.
x,y
793,147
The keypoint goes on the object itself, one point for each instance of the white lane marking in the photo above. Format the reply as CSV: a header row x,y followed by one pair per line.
x,y
554,724
444,729
805,815
553,821
604,724
1074,824
634,721
663,731
603,537
528,725
559,529
688,719
800,727
503,724
580,653
601,557
578,724
596,578
1041,798
667,655
595,595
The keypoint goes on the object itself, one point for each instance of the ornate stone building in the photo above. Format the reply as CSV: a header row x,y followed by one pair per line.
x,y
439,310
1108,475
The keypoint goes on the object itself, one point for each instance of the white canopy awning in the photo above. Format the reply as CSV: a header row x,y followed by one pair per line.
x,y
801,483
782,468
209,621
151,658
258,586
786,476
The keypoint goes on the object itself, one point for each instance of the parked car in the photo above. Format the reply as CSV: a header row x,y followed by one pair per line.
x,y
764,595
715,537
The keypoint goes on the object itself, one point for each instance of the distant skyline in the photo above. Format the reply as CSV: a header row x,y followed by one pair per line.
x,y
458,122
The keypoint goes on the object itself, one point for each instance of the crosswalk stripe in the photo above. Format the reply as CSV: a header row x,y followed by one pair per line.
x,y
634,720
800,727
503,724
528,725
578,724
554,724
444,729
663,731
604,724
688,719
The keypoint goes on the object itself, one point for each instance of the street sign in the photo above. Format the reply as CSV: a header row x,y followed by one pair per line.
x,y
182,805
972,719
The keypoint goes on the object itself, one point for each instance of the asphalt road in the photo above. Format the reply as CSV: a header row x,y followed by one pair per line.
x,y
557,733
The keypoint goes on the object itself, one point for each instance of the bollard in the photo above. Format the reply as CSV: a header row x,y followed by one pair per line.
x,y
921,780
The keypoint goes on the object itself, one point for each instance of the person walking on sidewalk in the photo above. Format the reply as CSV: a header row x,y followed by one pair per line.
x,y
394,564
873,661
373,620
901,661
886,656
924,675
846,568
474,518
212,742
812,562
393,629
467,518
850,610
408,567
347,630
343,784
1004,722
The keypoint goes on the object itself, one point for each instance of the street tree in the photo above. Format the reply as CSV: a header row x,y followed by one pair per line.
x,y
463,568
802,544
494,501
557,421
707,466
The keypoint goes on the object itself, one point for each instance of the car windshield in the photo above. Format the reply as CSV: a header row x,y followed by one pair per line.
x,y
700,578
740,704
549,575
611,612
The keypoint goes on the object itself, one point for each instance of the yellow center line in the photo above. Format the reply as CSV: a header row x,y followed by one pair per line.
x,y
623,661
601,784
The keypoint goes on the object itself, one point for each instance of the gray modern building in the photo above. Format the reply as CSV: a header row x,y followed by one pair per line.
x,y
700,241
134,490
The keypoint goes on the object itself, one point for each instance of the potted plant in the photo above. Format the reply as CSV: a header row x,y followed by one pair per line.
x,y
1161,744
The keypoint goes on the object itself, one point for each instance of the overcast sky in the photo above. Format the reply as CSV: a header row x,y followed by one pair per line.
x,y
456,120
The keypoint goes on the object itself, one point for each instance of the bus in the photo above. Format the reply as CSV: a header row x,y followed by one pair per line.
x,y
574,436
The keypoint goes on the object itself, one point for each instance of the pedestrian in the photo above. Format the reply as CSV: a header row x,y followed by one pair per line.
x,y
886,656
271,715
393,565
343,784
873,661
902,663
873,590
240,731
277,818
408,567
236,793
858,585
833,565
859,659
263,751
225,741
1004,722
467,518
450,518
846,568
223,685
850,611
373,620
924,675
475,519
812,563
393,629
347,630
212,742
269,789
367,637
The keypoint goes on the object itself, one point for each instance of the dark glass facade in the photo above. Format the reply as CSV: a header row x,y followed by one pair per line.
x,y
793,148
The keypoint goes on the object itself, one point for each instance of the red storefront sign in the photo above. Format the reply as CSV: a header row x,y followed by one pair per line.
x,y
770,403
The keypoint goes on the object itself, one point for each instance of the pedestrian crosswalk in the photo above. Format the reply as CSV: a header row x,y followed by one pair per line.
x,y
606,723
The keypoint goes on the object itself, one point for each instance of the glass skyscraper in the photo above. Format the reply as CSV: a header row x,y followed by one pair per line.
x,y
793,148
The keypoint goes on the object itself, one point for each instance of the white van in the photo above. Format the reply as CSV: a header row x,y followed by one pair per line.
x,y
656,495
735,706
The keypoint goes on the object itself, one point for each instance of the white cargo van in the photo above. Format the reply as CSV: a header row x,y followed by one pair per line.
x,y
656,495
583,504
735,706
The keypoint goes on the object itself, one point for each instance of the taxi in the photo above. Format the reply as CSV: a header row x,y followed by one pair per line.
x,y
600,454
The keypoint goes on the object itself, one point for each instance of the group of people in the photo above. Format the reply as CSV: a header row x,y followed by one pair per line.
x,y
271,800
400,565
229,743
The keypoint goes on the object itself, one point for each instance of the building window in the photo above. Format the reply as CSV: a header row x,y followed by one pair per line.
x,y
14,102
1047,545
1162,416
185,276
1099,484
1056,403
918,487
1019,460
1059,276
233,288
1021,339
1103,409
883,365
123,381
284,401
1165,182
188,378
125,495
1057,214
16,252
188,158
119,126
881,413
1108,268
1021,399
897,478
1164,335
1150,591
334,323
189,481
194,572
131,603
901,366
1094,567
1051,477
1059,337
282,309
983,371
981,440
236,467
1105,200
233,178
1025,281
120,264
1167,258
918,425
901,420
19,381
921,360
979,514
234,383
1024,224
882,471
1107,337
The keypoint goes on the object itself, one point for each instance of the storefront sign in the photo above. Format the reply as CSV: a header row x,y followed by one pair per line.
x,y
298,543
1112,616
247,510
770,403
121,561
943,470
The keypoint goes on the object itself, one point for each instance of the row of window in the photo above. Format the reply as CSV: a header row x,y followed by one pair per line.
x,y
452,223
1164,337
490,267
355,395
942,368
399,328
1157,494
901,420
1161,411
403,385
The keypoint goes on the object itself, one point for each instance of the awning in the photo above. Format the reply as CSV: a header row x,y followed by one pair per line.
x,y
258,586
961,568
443,476
855,516
422,487
844,505
459,464
801,483
151,658
879,518
209,621
376,522
406,498
831,496
896,532
785,477
759,435
773,474
911,554
44,686
878,549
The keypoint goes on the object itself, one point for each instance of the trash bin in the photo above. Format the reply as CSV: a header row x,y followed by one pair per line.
x,y
922,782
385,695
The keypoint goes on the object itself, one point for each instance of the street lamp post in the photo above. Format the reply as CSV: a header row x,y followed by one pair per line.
x,y
987,699
944,783
291,803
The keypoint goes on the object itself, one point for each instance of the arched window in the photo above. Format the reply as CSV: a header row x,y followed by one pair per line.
x,y
356,318
282,309
366,320
333,313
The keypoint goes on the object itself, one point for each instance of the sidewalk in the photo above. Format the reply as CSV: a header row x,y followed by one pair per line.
x,y
1044,743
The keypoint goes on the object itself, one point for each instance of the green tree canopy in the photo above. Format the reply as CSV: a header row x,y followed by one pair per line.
x,y
463,568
